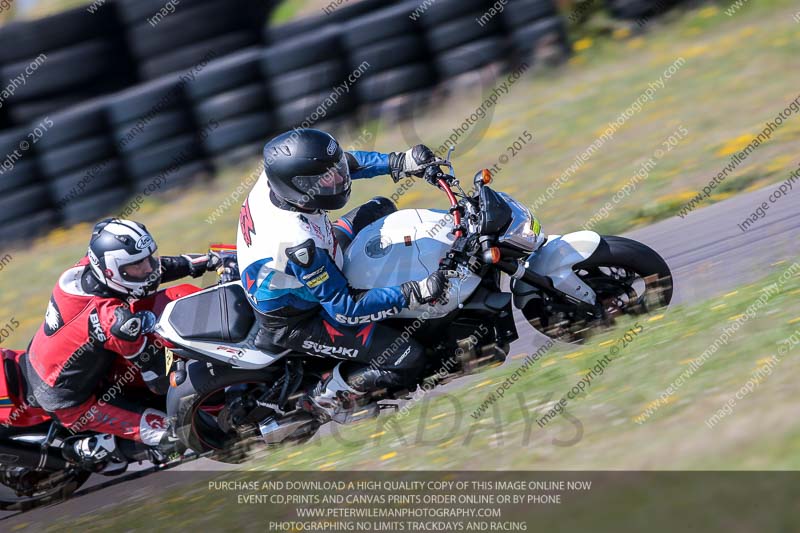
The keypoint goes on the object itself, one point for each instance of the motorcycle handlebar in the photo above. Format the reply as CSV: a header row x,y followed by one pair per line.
x,y
453,204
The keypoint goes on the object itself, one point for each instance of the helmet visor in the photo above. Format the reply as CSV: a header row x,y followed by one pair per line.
x,y
145,270
331,183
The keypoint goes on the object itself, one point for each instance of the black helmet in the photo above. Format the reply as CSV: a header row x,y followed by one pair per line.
x,y
307,168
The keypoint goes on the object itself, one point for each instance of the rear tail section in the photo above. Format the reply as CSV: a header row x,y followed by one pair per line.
x,y
15,410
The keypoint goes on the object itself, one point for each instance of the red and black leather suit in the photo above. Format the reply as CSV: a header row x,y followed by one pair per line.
x,y
88,335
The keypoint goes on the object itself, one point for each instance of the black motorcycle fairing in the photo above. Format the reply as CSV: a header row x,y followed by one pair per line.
x,y
222,314
495,214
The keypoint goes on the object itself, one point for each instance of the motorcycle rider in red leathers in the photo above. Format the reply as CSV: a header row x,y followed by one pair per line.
x,y
88,326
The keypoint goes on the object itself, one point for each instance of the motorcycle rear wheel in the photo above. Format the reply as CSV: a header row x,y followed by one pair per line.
x,y
15,496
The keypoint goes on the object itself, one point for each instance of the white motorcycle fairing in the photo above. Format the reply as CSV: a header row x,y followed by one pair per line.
x,y
407,246
557,257
242,354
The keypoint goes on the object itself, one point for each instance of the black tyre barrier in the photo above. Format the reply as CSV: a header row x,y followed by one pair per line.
x,y
93,207
30,225
522,12
341,14
236,132
379,25
86,181
307,80
184,27
163,94
19,203
171,177
131,12
25,39
61,70
471,56
394,82
190,56
87,119
144,132
391,53
23,173
443,11
141,133
302,51
24,113
312,109
248,99
226,73
551,31
55,162
165,129
10,141
640,10
157,157
461,31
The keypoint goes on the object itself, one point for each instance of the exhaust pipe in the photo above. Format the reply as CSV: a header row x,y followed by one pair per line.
x,y
276,431
29,455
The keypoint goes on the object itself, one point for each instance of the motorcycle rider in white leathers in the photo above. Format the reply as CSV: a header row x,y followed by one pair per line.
x,y
290,260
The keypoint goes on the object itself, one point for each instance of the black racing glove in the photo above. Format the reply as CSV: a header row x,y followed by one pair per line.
x,y
410,163
199,264
428,290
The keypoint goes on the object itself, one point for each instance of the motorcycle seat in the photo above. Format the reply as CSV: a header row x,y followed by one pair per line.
x,y
221,314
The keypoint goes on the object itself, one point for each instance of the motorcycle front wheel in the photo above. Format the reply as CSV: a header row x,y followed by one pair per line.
x,y
628,278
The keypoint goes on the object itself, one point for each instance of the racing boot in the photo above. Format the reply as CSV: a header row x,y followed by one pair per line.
x,y
168,446
333,399
97,453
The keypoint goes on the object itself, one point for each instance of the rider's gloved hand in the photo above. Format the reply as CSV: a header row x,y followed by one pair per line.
x,y
199,264
428,290
411,162
230,270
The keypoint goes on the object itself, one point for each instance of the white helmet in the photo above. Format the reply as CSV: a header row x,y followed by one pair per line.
x,y
122,255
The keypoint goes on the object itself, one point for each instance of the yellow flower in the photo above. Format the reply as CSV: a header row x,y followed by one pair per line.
x,y
583,44
708,12
621,33
636,43
735,145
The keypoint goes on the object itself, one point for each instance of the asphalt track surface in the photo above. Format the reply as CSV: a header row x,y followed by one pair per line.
x,y
707,252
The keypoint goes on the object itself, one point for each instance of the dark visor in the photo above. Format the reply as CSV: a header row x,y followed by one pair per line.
x,y
335,181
